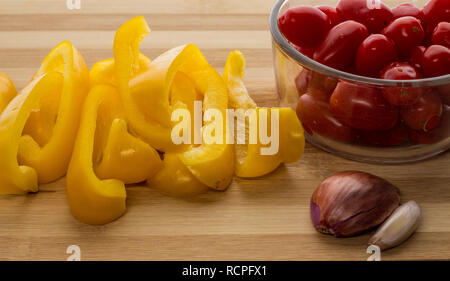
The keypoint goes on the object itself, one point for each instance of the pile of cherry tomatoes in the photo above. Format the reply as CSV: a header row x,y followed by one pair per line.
x,y
368,38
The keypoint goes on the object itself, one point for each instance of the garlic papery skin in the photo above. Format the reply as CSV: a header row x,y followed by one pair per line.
x,y
398,227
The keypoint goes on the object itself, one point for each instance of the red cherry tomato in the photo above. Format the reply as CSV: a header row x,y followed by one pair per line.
x,y
311,80
401,95
439,133
332,14
309,52
373,54
436,61
316,117
304,25
416,57
338,49
407,32
374,15
395,136
362,107
434,12
407,9
425,114
302,81
441,34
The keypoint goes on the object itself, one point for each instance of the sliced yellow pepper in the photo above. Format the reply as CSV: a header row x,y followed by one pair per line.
x,y
292,138
232,75
15,178
126,50
105,157
39,125
211,164
7,91
249,161
183,94
147,101
49,134
123,156
174,179
126,157
92,200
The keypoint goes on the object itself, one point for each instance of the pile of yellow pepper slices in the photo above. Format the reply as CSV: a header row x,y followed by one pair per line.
x,y
112,126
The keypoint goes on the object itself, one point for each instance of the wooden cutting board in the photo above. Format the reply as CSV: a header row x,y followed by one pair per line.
x,y
261,219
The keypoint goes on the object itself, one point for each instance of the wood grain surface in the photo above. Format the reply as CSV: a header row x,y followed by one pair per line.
x,y
261,219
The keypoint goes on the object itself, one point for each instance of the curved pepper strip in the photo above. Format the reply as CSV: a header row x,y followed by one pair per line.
x,y
126,50
126,157
105,157
49,135
7,91
92,200
211,164
103,72
149,93
15,178
183,94
249,160
232,76
251,163
292,138
174,179
146,96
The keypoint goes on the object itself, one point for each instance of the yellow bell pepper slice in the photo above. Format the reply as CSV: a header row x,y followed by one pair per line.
x,y
7,91
174,179
103,72
249,161
16,178
92,200
105,157
292,138
232,75
183,94
126,157
184,90
210,163
147,107
49,134
126,50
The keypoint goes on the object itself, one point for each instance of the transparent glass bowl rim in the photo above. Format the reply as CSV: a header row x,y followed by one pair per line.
x,y
311,64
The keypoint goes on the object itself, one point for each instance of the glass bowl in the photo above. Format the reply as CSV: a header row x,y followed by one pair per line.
x,y
297,74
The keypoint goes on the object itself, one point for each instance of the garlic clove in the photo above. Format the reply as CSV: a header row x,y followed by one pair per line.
x,y
398,227
350,202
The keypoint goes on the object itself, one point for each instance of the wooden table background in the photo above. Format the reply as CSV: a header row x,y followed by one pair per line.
x,y
261,219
